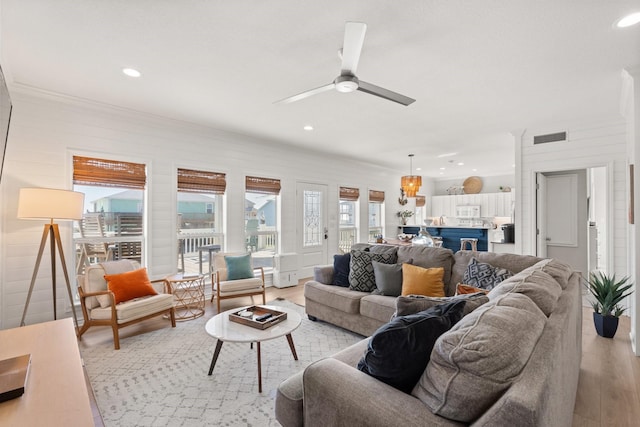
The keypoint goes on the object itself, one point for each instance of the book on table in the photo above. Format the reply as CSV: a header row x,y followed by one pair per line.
x,y
13,376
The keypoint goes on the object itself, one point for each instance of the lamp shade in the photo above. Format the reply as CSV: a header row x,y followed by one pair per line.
x,y
49,203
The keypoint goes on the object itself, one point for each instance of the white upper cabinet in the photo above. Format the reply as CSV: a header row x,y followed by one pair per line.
x,y
491,204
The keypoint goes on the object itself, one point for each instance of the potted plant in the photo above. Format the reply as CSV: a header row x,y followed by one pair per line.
x,y
608,292
403,215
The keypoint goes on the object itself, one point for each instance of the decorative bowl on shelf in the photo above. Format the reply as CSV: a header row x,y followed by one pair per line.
x,y
405,237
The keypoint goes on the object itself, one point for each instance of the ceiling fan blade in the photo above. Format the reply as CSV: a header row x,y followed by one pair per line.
x,y
384,93
352,46
306,94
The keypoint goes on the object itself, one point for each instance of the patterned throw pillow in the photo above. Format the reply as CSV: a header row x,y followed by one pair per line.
x,y
361,275
483,275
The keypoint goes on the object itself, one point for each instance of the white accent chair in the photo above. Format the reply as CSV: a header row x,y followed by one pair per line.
x,y
225,289
98,303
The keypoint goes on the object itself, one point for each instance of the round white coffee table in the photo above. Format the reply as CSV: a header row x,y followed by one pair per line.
x,y
223,329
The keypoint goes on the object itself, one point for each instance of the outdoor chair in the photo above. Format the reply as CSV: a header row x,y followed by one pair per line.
x,y
225,284
100,307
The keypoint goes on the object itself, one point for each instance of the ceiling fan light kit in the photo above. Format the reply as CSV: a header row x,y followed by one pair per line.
x,y
347,81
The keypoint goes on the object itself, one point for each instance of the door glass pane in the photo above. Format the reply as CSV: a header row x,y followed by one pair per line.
x,y
312,205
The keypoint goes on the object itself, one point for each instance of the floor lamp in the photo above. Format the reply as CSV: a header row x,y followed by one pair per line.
x,y
50,204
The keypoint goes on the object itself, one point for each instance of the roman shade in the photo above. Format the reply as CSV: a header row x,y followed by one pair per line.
x,y
194,181
108,173
376,196
349,194
256,184
420,201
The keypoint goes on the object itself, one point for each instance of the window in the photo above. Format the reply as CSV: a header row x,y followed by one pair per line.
x,y
261,219
420,212
112,225
376,214
200,218
348,211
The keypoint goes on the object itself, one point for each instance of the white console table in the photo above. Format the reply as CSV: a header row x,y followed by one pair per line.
x,y
56,392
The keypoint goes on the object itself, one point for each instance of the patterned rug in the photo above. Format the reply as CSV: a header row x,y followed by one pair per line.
x,y
160,378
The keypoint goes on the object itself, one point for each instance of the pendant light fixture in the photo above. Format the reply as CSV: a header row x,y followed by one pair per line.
x,y
411,183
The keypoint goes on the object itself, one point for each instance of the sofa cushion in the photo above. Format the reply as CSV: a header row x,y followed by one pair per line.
x,y
332,296
130,285
341,270
462,289
484,275
388,278
422,281
540,287
477,360
238,267
135,309
559,270
512,262
429,257
378,307
361,275
411,304
399,351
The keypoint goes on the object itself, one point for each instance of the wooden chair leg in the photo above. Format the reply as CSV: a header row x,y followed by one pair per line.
x,y
264,300
218,304
83,329
116,337
172,315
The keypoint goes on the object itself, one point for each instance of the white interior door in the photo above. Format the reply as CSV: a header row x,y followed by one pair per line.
x,y
311,230
562,219
541,215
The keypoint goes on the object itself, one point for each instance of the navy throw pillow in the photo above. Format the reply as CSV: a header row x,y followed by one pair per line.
x,y
399,351
341,270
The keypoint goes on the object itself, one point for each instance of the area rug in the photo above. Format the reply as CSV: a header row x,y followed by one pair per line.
x,y
160,378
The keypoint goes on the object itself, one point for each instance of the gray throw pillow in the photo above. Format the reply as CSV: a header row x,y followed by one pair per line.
x,y
388,278
411,304
361,275
484,275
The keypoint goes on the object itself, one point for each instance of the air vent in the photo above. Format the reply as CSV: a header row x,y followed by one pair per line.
x,y
551,137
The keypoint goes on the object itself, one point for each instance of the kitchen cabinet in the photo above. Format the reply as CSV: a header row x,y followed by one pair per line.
x,y
491,204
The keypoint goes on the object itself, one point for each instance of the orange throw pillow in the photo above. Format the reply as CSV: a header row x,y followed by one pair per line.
x,y
462,289
130,285
422,281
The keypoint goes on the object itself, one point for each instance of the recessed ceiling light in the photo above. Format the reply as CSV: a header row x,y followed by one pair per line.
x,y
441,173
131,72
629,20
474,170
442,169
446,155
513,165
308,127
460,164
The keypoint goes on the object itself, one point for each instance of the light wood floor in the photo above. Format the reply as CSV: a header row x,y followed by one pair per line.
x,y
608,389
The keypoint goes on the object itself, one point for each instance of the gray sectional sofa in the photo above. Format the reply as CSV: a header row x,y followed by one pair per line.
x,y
513,361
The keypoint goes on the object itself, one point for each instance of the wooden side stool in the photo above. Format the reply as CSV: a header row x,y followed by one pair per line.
x,y
473,243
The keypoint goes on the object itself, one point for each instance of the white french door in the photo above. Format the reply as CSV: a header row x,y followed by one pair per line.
x,y
311,228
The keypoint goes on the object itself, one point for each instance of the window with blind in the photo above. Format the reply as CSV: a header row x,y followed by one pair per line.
x,y
200,219
376,214
261,219
348,211
113,222
420,212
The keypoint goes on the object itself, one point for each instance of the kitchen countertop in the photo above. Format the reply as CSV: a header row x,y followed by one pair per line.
x,y
458,226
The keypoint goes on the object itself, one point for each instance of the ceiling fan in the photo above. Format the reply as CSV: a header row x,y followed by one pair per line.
x,y
347,80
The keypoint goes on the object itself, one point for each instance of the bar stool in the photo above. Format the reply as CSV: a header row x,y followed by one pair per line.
x,y
473,243
437,241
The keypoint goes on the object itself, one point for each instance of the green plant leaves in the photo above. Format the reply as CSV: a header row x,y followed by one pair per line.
x,y
608,293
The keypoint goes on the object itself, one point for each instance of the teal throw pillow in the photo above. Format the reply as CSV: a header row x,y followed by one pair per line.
x,y
238,267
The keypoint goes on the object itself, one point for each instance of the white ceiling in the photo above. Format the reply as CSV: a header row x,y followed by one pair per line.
x,y
477,69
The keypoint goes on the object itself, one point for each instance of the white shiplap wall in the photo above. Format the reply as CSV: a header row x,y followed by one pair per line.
x,y
46,131
587,146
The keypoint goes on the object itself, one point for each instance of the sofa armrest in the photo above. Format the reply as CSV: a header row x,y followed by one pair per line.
x,y
323,274
338,394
